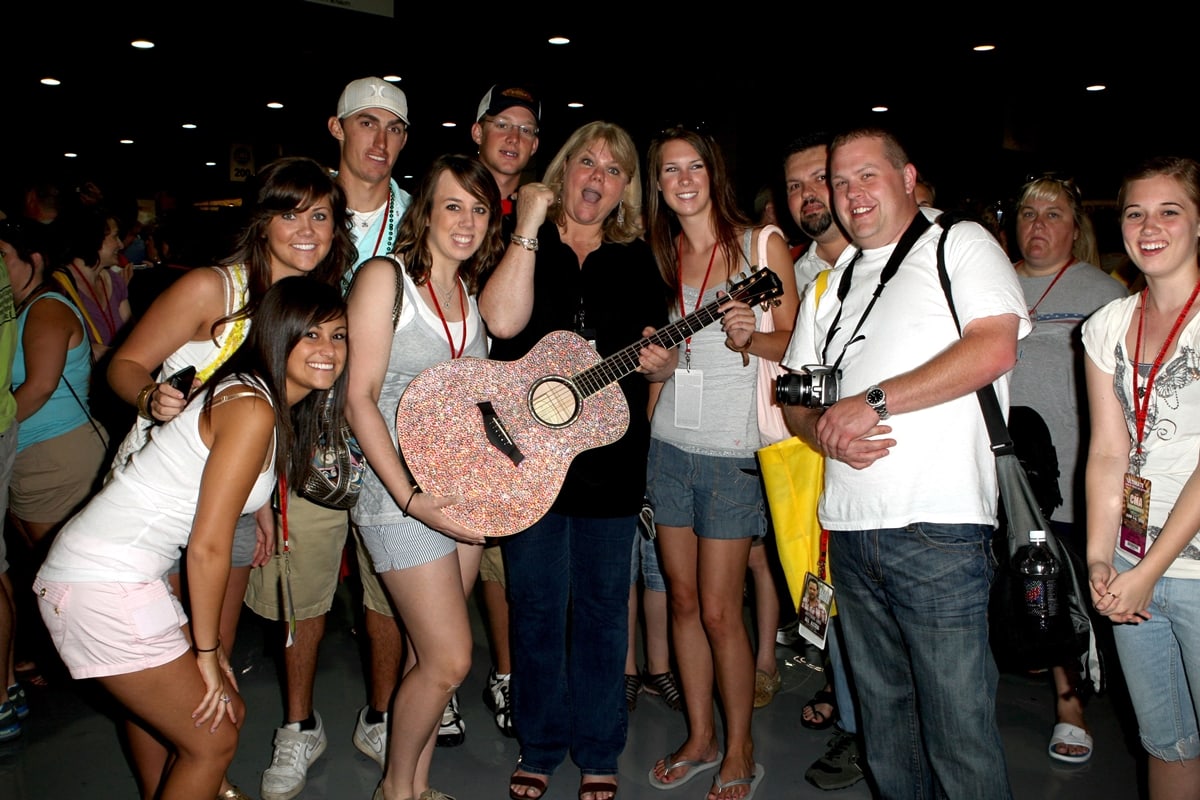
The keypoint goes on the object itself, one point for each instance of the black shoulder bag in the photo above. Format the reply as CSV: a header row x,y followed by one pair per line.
x,y
1021,514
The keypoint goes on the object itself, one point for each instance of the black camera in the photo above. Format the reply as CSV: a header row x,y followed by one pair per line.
x,y
815,386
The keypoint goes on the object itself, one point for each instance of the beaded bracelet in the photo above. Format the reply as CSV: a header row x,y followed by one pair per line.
x,y
529,243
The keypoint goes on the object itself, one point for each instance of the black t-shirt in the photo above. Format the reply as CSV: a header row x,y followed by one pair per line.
x,y
617,293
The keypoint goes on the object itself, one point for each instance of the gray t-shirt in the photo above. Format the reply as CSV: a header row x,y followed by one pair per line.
x,y
1049,373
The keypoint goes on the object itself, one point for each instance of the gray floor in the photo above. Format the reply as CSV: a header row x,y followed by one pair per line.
x,y
70,748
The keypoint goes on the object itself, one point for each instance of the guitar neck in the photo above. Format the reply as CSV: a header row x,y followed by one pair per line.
x,y
625,361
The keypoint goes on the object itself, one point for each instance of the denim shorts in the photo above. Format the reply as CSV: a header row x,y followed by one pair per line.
x,y
719,498
109,628
645,564
1159,657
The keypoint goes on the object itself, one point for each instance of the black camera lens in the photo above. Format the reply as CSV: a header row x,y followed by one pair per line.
x,y
793,389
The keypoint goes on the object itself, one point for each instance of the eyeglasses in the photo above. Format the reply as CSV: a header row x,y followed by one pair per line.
x,y
1066,182
504,126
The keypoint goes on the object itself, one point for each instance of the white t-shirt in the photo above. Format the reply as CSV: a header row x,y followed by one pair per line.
x,y
1171,442
942,469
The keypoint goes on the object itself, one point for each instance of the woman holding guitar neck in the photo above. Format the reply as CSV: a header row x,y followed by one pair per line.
x,y
576,262
702,474
409,311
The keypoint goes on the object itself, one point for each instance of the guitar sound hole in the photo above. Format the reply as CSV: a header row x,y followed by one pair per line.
x,y
553,402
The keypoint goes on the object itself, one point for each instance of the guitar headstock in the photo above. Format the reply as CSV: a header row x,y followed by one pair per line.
x,y
761,286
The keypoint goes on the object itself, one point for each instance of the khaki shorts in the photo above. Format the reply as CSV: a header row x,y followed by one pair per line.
x,y
52,479
316,538
491,564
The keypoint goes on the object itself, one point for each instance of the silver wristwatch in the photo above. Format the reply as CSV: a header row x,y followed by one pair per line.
x,y
877,399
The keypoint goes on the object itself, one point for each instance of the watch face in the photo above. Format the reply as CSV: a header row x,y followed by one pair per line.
x,y
874,396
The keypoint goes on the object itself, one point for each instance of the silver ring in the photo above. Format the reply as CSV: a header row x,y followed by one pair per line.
x,y
225,698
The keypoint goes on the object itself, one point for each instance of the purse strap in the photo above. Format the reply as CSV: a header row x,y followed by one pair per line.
x,y
1002,443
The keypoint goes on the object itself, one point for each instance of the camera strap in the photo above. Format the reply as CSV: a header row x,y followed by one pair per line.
x,y
909,238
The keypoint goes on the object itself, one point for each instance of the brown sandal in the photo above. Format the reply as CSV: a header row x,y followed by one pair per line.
x,y
530,781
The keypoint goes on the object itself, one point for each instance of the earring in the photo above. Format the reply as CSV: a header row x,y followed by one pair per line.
x,y
621,213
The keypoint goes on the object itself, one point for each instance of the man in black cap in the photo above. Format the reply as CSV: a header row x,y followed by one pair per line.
x,y
506,130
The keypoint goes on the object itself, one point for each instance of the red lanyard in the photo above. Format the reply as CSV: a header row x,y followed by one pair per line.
x,y
1057,275
700,297
1141,398
462,305
283,509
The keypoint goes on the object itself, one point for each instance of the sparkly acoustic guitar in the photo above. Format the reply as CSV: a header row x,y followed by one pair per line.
x,y
503,433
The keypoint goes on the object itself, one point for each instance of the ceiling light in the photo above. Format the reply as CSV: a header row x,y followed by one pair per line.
x,y
210,163
274,104
449,124
71,155
1097,87
983,48
191,126
392,78
879,109
559,40
142,44
575,104
51,81
126,141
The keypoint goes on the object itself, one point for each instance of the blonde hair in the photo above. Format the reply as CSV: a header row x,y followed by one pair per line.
x,y
1049,189
624,223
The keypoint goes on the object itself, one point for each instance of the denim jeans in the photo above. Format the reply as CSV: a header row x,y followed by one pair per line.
x,y
846,699
913,605
1160,659
568,594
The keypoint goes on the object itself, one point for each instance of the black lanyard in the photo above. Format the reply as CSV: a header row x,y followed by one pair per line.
x,y
913,232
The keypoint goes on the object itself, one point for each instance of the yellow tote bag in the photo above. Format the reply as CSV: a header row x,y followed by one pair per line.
x,y
793,477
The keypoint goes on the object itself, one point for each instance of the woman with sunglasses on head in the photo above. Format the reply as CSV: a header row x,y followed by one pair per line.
x,y
702,476
1143,482
1062,287
427,562
102,590
576,262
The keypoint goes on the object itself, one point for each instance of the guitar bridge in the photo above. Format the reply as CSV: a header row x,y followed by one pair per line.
x,y
497,435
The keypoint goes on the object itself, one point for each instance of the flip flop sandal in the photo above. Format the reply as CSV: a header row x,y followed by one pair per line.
x,y
694,768
751,781
819,721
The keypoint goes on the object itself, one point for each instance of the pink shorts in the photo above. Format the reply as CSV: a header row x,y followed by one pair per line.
x,y
102,629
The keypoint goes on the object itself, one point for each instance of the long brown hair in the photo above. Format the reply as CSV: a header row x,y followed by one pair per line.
x,y
728,219
412,241
294,183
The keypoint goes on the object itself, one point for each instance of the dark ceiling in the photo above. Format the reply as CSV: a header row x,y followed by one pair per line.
x,y
975,123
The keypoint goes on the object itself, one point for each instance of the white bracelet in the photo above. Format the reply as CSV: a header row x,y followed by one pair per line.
x,y
530,244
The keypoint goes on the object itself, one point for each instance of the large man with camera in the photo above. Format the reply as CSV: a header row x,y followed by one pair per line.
x,y
910,486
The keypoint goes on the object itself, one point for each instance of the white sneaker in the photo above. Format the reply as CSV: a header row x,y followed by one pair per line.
x,y
295,751
453,731
496,698
371,739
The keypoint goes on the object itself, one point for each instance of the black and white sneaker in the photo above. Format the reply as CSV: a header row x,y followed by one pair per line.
x,y
839,767
453,731
498,700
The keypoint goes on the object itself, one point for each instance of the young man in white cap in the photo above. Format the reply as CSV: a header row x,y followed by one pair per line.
x,y
371,128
